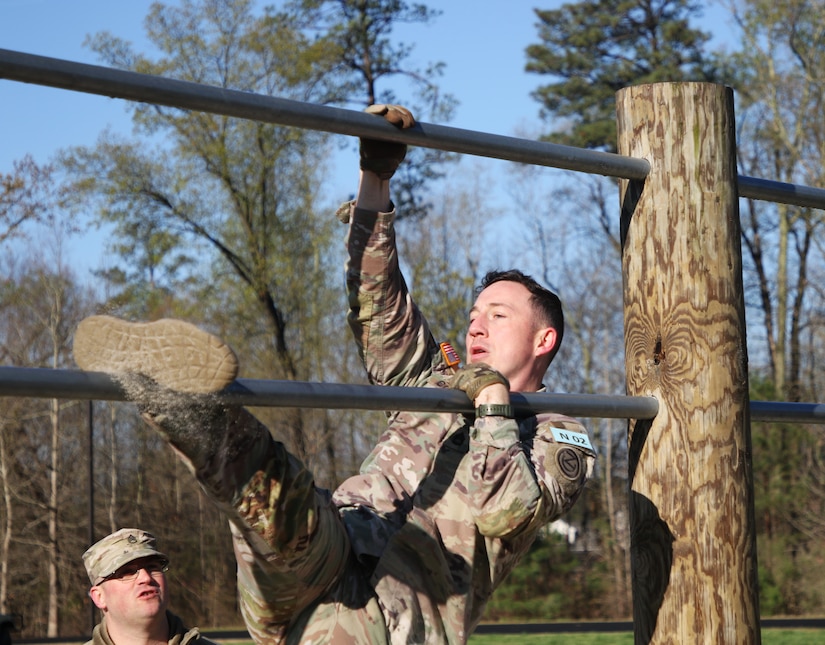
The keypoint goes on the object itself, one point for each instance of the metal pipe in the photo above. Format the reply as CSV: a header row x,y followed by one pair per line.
x,y
158,90
78,385
781,412
780,192
146,88
37,382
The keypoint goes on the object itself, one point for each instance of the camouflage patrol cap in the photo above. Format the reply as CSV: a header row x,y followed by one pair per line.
x,y
105,557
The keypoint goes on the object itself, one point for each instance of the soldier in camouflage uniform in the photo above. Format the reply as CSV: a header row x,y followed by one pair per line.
x,y
410,549
127,574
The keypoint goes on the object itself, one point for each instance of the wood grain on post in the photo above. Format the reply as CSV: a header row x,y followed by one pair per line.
x,y
693,545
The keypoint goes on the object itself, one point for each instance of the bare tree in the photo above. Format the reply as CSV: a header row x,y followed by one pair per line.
x,y
782,136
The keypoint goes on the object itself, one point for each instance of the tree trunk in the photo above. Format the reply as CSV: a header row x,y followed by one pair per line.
x,y
8,525
113,470
693,547
780,359
52,631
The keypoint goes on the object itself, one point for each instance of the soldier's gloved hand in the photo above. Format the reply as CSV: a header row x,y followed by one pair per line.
x,y
384,157
474,378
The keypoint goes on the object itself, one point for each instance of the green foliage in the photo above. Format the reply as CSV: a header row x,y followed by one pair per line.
x,y
360,31
788,506
551,582
227,199
219,215
597,47
371,63
780,90
781,486
24,198
783,46
441,286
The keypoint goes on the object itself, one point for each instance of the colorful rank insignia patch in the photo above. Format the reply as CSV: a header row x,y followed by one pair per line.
x,y
450,355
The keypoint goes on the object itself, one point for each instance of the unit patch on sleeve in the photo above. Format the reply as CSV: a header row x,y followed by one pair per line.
x,y
450,355
569,463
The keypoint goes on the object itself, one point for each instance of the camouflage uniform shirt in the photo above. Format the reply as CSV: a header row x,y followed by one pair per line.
x,y
178,633
446,504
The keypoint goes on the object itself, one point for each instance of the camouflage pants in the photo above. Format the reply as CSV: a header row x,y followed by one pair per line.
x,y
298,581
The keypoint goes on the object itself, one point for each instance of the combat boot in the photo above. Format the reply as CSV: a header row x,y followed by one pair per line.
x,y
172,371
175,354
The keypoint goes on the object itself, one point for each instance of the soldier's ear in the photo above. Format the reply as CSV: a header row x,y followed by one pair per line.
x,y
98,597
546,340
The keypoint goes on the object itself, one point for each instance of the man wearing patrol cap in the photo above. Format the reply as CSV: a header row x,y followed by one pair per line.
x,y
127,574
410,549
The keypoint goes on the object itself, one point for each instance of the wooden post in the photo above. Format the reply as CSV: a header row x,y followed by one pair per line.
x,y
693,545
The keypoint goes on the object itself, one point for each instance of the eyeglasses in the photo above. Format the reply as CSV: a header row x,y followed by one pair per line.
x,y
130,571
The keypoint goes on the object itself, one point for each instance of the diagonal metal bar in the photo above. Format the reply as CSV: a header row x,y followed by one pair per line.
x,y
158,90
94,79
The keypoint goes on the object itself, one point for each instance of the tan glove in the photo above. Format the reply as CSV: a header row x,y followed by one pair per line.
x,y
474,378
384,157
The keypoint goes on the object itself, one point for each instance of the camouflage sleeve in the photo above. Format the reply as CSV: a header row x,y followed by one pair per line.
x,y
563,458
505,491
520,485
393,337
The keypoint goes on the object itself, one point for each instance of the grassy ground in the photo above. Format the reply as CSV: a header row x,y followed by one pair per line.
x,y
769,637
553,639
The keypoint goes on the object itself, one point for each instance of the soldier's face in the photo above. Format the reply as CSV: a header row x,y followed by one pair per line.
x,y
133,599
504,333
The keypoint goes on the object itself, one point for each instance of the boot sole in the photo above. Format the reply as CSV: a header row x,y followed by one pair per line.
x,y
174,353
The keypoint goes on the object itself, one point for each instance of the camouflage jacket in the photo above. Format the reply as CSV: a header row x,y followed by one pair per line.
x,y
445,505
178,633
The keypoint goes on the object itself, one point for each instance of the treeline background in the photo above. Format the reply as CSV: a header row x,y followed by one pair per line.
x,y
226,223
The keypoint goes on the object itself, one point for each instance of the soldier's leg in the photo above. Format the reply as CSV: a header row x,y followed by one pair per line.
x,y
291,545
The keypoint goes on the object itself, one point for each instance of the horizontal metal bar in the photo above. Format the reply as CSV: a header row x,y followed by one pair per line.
x,y
779,412
79,385
147,88
781,192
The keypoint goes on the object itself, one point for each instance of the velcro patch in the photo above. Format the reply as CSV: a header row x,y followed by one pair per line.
x,y
578,439
569,462
450,355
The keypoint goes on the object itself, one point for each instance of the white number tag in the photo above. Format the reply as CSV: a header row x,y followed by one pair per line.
x,y
573,438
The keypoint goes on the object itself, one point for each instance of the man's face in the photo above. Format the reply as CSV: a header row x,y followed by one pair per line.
x,y
135,594
505,334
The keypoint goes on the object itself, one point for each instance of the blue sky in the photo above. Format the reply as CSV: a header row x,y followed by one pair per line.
x,y
482,45
483,49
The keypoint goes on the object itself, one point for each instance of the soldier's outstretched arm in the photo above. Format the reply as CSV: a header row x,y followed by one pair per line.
x,y
393,338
